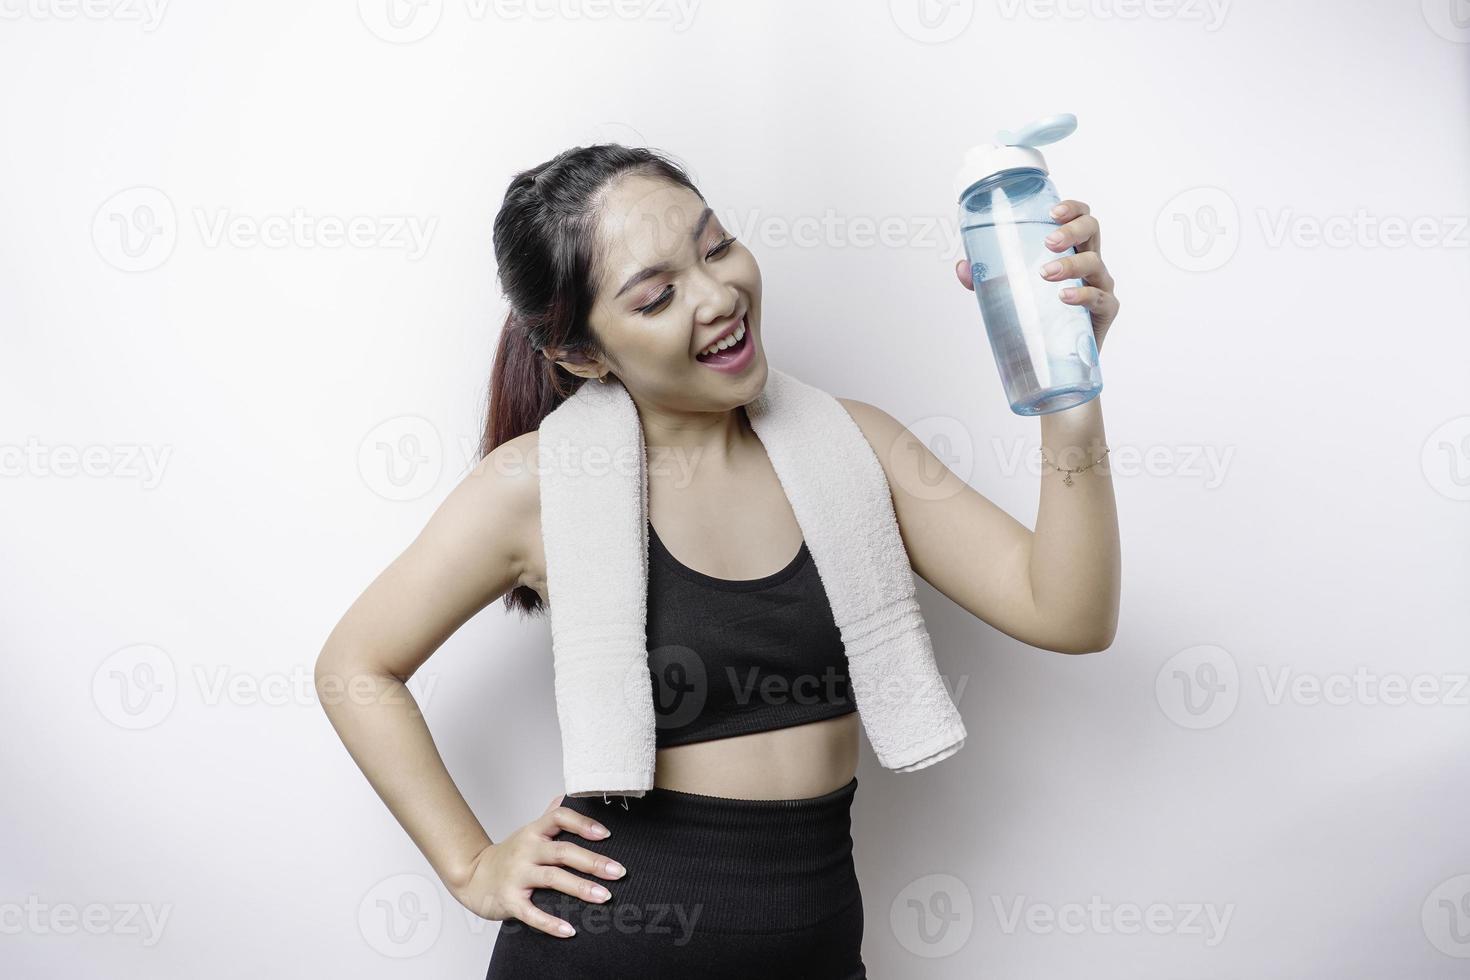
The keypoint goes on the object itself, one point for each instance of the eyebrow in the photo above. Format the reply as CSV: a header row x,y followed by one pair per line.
x,y
662,267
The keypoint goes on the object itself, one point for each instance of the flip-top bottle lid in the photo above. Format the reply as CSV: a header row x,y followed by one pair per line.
x,y
1012,150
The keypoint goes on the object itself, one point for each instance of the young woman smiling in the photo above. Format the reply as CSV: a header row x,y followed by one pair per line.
x,y
738,862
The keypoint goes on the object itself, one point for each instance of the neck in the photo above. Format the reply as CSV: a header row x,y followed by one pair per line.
x,y
677,442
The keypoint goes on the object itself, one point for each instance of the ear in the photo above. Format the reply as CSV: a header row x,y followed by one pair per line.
x,y
574,363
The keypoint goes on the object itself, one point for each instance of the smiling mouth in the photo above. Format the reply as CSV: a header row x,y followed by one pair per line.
x,y
731,352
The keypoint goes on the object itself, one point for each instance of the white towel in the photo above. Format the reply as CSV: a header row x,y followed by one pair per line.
x,y
594,520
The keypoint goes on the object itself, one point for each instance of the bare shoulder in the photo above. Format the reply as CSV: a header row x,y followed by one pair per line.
x,y
914,472
883,432
872,420
511,469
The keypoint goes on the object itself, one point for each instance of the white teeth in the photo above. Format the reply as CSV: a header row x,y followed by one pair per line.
x,y
729,340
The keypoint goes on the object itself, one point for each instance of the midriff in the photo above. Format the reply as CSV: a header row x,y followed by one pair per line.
x,y
783,764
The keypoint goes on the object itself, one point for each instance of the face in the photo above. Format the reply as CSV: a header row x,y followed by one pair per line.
x,y
671,281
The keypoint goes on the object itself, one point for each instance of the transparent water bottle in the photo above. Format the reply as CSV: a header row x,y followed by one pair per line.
x,y
1045,348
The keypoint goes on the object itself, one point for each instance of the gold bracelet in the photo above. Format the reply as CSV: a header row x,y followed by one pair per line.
x,y
1067,480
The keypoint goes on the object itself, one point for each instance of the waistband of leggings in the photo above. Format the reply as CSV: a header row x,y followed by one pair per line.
x,y
697,813
837,800
745,865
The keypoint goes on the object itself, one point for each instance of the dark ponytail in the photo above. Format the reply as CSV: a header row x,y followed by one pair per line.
x,y
545,254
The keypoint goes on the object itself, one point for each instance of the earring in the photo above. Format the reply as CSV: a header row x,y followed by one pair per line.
x,y
602,379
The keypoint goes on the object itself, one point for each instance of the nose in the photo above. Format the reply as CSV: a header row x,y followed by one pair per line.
x,y
718,300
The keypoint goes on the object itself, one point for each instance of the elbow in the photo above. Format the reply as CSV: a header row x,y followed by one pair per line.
x,y
326,677
346,674
1094,640
336,675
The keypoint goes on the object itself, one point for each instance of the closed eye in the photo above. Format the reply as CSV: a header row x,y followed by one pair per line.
x,y
720,248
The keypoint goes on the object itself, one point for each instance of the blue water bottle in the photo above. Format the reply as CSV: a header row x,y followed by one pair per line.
x,y
1044,348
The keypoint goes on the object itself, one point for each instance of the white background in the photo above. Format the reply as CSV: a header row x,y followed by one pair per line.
x,y
1303,402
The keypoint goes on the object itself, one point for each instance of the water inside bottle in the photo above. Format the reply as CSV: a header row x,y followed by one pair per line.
x,y
1026,322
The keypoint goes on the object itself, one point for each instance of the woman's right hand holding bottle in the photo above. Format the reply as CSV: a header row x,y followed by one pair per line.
x,y
502,876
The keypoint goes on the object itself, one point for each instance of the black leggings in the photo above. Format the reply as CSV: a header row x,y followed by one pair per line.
x,y
715,887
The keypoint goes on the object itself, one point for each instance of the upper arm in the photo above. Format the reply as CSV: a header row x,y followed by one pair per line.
x,y
472,550
957,540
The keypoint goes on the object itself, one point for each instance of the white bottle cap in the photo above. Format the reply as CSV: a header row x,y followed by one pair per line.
x,y
1011,151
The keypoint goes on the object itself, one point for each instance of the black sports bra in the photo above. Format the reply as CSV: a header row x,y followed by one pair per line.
x,y
735,656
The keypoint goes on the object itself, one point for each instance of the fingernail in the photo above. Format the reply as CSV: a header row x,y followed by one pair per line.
x,y
599,829
1058,211
615,869
1068,293
1054,238
1051,268
600,893
566,930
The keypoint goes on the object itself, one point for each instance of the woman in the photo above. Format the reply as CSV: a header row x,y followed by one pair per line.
x,y
738,861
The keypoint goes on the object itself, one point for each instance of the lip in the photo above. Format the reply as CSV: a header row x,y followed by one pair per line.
x,y
743,359
717,336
